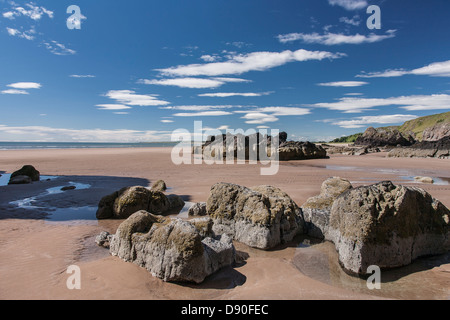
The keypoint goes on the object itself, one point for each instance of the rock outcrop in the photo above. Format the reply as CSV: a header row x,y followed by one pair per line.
x,y
317,210
170,249
388,226
121,204
437,132
292,150
261,217
384,137
425,149
349,150
19,176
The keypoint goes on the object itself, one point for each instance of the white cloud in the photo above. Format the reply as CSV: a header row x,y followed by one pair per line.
x,y
199,108
436,69
28,35
355,21
112,107
31,11
203,114
331,39
192,83
411,103
361,122
345,84
167,121
81,76
350,4
130,98
255,61
284,111
39,133
234,94
14,91
58,48
25,85
209,58
259,118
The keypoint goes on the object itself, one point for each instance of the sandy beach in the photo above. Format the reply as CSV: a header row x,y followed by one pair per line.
x,y
36,246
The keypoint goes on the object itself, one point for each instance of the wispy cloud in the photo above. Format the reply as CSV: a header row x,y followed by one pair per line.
x,y
25,85
242,63
40,133
203,114
30,10
192,83
331,39
355,21
234,94
436,69
81,76
411,103
28,35
262,115
112,107
131,98
361,122
58,49
345,84
14,91
350,5
199,107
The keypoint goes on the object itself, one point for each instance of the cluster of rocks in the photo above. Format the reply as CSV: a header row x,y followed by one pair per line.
x,y
350,150
425,149
255,146
27,174
383,224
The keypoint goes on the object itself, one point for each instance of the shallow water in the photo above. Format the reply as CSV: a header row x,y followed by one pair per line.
x,y
4,179
421,280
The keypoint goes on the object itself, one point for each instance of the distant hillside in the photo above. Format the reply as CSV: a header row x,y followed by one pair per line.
x,y
439,123
347,139
419,125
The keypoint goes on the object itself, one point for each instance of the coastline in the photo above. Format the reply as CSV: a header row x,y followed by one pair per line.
x,y
34,254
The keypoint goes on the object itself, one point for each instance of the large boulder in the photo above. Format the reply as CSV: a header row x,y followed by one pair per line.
x,y
17,177
388,136
261,217
171,249
292,150
388,226
316,210
123,203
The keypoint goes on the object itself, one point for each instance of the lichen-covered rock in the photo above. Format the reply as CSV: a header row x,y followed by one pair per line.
x,y
262,217
387,226
316,210
198,209
291,150
159,185
171,249
122,204
26,170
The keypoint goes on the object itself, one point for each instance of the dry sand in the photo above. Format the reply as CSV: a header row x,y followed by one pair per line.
x,y
35,253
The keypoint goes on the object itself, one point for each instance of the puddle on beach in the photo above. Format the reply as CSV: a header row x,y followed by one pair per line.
x,y
4,179
72,215
420,280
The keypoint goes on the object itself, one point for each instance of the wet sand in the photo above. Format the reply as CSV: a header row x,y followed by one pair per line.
x,y
36,246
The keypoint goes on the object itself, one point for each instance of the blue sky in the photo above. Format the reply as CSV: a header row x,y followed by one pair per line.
x,y
138,70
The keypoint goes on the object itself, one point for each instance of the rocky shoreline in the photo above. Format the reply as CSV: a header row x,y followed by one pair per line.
x,y
382,224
